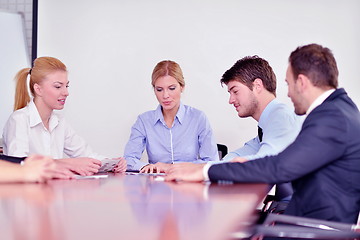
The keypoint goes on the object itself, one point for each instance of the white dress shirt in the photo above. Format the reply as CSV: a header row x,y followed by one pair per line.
x,y
319,100
25,134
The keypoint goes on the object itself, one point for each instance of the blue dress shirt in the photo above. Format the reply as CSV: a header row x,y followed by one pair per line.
x,y
190,139
280,126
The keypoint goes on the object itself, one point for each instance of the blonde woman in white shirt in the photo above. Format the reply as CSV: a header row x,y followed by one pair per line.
x,y
34,128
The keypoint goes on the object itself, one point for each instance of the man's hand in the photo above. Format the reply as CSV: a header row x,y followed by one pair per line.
x,y
239,159
121,166
192,172
158,167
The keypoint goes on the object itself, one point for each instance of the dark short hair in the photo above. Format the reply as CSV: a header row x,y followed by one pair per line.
x,y
249,68
317,63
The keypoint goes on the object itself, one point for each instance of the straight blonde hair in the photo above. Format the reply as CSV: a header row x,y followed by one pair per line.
x,y
167,68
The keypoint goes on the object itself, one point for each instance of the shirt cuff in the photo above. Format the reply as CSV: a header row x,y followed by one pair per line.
x,y
206,171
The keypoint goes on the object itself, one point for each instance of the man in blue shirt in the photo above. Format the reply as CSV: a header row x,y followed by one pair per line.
x,y
251,84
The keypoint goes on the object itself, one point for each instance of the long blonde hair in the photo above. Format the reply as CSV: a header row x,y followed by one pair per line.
x,y
42,67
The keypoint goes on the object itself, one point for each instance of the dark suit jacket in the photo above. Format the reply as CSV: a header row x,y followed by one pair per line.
x,y
323,164
11,159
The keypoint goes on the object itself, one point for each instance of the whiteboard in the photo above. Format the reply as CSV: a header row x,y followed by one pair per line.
x,y
14,55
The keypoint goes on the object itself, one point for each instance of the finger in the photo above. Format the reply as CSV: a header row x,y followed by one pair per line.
x,y
62,171
62,176
171,170
95,166
170,177
93,169
56,175
123,168
122,163
96,162
89,172
117,169
40,179
80,172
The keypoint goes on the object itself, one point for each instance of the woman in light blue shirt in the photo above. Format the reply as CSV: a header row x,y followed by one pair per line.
x,y
173,132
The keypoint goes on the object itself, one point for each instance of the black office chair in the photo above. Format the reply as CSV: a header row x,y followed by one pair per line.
x,y
222,149
302,228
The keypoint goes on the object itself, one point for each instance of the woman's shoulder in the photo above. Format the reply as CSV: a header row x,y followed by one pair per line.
x,y
147,114
148,117
194,112
20,114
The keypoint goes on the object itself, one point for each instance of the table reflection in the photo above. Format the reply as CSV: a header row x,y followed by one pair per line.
x,y
159,205
27,207
124,207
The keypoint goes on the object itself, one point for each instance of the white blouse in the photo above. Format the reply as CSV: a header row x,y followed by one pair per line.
x,y
25,134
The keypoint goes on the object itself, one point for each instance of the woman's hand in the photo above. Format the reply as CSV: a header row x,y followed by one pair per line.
x,y
158,167
121,165
38,168
82,165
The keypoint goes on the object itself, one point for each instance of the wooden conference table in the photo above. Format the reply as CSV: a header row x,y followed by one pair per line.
x,y
124,206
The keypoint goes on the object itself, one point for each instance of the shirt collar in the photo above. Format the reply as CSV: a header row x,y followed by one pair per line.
x,y
319,100
179,115
35,118
265,114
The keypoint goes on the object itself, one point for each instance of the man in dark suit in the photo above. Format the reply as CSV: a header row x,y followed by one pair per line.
x,y
323,162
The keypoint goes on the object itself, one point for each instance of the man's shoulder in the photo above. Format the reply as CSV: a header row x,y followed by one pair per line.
x,y
339,104
280,109
282,116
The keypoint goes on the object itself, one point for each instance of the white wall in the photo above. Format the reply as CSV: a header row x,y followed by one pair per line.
x,y
13,56
111,47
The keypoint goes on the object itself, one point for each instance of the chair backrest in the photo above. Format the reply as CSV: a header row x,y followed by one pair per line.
x,y
222,149
306,228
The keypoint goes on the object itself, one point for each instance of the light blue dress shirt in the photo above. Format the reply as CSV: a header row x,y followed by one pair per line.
x,y
280,126
190,139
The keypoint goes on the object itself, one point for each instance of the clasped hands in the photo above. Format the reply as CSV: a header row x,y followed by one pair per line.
x,y
88,166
